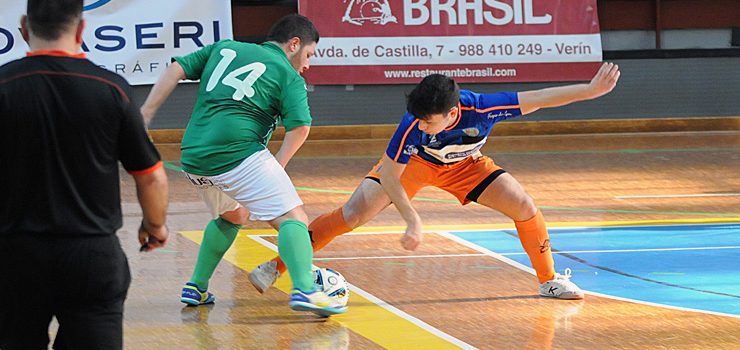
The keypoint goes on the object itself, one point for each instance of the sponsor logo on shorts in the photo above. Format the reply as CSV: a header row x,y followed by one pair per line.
x,y
201,181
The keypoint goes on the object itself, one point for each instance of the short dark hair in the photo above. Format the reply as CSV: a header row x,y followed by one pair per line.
x,y
293,25
48,19
435,94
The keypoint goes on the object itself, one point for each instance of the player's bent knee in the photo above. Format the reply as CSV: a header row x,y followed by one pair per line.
x,y
352,216
527,209
297,213
236,217
353,223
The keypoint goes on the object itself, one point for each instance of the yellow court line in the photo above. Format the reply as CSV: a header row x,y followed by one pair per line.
x,y
365,317
429,228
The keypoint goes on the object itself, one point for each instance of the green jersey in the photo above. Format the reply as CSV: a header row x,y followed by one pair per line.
x,y
245,90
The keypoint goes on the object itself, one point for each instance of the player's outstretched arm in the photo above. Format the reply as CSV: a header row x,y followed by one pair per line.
x,y
390,179
161,90
293,140
602,83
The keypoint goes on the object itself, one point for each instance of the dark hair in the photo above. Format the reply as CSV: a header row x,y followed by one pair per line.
x,y
48,19
435,94
291,26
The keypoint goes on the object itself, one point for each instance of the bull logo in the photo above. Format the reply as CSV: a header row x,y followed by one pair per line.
x,y
374,11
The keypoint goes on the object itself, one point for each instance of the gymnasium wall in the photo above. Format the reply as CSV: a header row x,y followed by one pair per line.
x,y
679,58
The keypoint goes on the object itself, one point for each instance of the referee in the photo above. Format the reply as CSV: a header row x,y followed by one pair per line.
x,y
64,126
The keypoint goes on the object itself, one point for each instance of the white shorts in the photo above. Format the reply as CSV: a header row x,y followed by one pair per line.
x,y
259,184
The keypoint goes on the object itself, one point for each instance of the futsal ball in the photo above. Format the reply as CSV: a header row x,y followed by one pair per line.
x,y
333,284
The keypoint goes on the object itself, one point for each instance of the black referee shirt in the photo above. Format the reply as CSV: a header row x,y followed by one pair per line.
x,y
64,125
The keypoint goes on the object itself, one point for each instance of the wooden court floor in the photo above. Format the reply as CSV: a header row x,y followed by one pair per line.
x,y
432,298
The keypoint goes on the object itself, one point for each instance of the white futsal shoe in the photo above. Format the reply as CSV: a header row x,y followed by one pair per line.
x,y
560,287
264,276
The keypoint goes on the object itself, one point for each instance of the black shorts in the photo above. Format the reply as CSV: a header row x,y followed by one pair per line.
x,y
81,280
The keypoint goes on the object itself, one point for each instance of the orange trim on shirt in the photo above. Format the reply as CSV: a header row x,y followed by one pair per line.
x,y
495,108
400,147
56,53
148,170
459,116
80,75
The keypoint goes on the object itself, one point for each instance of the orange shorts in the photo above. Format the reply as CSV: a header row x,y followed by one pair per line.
x,y
465,180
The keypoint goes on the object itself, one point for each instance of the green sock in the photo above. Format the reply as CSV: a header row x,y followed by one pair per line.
x,y
217,238
294,247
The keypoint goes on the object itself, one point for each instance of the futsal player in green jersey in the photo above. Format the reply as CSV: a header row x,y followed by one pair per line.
x,y
245,90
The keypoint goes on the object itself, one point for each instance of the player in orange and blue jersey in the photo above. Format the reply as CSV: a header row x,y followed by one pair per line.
x,y
438,144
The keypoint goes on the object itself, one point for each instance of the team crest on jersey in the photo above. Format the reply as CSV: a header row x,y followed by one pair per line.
x,y
472,132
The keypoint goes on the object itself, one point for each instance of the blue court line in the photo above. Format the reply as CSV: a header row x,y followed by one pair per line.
x,y
695,277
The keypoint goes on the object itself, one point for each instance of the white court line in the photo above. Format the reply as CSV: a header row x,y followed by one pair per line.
x,y
486,251
400,257
680,195
377,301
521,253
531,271
662,305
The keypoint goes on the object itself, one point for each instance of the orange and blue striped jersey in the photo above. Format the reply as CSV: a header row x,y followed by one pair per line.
x,y
463,138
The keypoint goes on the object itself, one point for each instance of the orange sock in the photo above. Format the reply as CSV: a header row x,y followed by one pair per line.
x,y
323,230
536,242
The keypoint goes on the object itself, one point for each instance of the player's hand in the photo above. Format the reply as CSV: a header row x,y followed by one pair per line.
x,y
152,237
605,79
411,239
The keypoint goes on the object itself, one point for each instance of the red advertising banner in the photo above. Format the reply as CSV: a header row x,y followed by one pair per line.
x,y
401,41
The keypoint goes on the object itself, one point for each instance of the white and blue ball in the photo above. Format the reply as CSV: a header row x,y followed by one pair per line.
x,y
333,284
